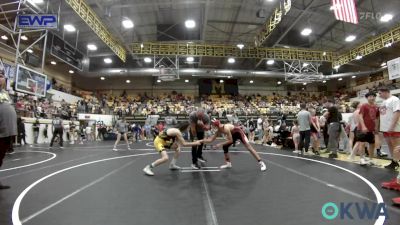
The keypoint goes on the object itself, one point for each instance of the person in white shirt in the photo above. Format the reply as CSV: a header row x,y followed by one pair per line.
x,y
88,131
324,127
390,124
304,120
122,129
353,121
259,130
66,131
295,137
266,137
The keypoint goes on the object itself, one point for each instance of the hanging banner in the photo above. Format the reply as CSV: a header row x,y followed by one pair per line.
x,y
394,69
37,21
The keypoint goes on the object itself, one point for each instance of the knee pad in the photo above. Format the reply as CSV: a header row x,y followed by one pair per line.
x,y
225,148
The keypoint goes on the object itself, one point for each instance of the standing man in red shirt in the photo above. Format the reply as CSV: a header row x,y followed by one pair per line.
x,y
368,127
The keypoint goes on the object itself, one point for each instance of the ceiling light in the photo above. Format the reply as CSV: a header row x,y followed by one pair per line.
x,y
141,45
158,81
186,81
285,46
305,64
92,47
388,44
270,61
23,37
190,24
229,77
279,82
240,46
324,53
30,50
128,81
36,1
324,81
221,81
190,59
383,64
251,81
304,83
152,70
102,78
71,71
107,60
386,18
53,62
336,67
353,77
147,59
69,28
4,37
306,31
340,79
224,71
231,60
358,57
127,23
350,38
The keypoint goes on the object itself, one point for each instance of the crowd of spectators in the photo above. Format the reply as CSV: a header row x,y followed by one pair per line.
x,y
174,103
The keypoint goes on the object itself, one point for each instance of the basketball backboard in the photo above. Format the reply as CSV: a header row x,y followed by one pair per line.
x,y
30,81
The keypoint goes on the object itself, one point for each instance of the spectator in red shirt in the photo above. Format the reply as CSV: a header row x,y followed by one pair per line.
x,y
368,127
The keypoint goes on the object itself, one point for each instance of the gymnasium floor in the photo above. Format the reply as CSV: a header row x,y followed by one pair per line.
x,y
90,184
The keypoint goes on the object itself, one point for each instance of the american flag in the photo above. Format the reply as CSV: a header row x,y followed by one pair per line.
x,y
345,10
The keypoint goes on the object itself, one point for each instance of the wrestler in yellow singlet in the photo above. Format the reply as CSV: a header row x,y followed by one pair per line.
x,y
166,140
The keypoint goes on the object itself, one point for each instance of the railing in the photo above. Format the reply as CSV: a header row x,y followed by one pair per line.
x,y
185,117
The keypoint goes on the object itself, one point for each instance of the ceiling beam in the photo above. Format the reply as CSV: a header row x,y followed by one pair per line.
x,y
230,33
303,12
93,21
117,32
272,22
293,23
175,2
377,43
237,22
205,22
214,50
234,21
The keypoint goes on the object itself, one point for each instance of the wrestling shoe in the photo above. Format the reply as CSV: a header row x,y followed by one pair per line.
x,y
174,167
263,167
147,171
392,185
227,165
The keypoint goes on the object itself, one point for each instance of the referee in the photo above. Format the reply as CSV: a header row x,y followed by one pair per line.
x,y
199,122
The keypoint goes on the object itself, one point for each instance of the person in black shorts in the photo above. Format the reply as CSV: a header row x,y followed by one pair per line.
x,y
199,122
367,127
36,128
58,130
